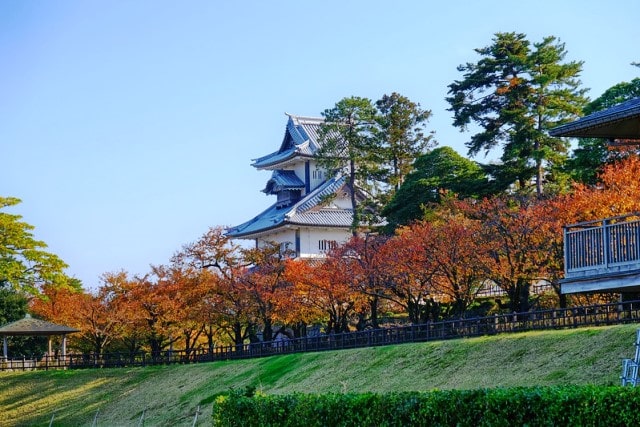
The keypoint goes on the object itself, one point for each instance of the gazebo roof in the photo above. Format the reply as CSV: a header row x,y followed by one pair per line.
x,y
622,121
35,327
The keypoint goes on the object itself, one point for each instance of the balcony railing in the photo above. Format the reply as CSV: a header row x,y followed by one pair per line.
x,y
608,246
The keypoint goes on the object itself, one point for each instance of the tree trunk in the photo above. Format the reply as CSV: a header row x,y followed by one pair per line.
x,y
355,224
373,304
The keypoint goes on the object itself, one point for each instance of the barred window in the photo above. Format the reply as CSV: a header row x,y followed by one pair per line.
x,y
327,245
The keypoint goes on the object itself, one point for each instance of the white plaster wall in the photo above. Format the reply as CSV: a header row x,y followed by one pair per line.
x,y
343,200
309,238
315,182
299,170
282,236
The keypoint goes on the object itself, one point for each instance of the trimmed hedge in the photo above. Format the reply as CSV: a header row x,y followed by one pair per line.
x,y
538,406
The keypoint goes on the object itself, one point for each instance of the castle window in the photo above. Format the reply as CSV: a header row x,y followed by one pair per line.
x,y
327,245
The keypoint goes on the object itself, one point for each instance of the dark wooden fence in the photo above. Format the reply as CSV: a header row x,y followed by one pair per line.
x,y
594,315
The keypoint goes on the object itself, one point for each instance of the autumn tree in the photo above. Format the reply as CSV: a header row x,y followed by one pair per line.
x,y
553,215
515,93
408,272
615,194
189,304
514,234
117,288
230,304
366,263
459,257
97,315
325,290
303,309
265,283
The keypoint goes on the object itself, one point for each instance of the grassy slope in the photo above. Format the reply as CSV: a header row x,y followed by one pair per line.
x,y
171,394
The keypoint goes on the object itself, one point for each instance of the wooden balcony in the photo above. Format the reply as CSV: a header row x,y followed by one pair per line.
x,y
602,255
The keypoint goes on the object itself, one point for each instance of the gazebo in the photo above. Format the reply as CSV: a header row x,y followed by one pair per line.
x,y
29,326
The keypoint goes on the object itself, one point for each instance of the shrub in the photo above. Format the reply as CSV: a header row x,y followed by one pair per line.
x,y
535,406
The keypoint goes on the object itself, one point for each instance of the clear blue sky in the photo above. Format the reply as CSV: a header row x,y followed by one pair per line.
x,y
128,127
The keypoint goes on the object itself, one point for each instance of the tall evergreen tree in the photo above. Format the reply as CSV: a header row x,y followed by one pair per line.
x,y
347,147
515,93
402,136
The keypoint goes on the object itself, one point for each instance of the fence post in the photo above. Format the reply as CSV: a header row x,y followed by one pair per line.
x,y
605,241
195,419
95,419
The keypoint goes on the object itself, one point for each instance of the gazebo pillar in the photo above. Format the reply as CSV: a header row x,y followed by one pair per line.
x,y
64,348
5,348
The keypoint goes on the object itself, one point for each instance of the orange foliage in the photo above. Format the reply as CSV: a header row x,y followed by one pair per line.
x,y
98,317
517,236
409,270
617,193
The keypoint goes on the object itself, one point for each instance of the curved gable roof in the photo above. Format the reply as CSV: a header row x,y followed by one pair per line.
x,y
283,180
301,138
300,213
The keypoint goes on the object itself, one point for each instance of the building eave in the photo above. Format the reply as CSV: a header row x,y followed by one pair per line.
x,y
622,121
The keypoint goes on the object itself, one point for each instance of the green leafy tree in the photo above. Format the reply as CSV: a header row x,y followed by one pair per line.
x,y
347,147
435,173
402,136
24,263
515,93
592,153
13,305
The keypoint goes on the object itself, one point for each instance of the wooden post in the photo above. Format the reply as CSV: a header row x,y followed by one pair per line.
x,y
64,350
605,242
5,348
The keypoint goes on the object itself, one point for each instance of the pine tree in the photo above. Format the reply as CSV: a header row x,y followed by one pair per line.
x,y
515,93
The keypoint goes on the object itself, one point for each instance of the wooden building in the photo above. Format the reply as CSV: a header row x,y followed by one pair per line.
x,y
604,255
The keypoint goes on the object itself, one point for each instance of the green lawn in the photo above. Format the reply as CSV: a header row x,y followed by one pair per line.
x,y
169,395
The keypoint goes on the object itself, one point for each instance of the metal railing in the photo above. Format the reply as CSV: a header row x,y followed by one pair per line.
x,y
594,315
595,247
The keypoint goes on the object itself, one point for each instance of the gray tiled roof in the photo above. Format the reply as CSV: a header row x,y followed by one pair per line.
x,y
324,217
35,327
274,216
622,121
283,180
301,139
